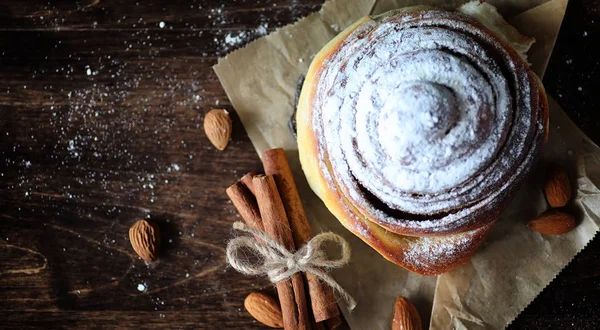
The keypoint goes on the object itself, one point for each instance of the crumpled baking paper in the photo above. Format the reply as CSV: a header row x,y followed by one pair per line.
x,y
512,266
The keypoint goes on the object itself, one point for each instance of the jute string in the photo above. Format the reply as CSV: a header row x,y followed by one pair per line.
x,y
279,264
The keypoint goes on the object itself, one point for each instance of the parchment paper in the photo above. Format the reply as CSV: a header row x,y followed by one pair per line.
x,y
512,266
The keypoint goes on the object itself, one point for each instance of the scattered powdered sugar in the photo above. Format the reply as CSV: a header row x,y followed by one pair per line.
x,y
120,126
234,40
261,30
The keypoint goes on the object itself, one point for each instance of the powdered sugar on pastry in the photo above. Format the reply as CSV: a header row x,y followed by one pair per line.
x,y
424,119
431,252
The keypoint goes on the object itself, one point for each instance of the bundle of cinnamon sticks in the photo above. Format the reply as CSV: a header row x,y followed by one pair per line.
x,y
271,203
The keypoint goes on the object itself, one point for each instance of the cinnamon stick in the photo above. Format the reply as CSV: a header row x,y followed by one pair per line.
x,y
245,202
322,301
247,180
291,291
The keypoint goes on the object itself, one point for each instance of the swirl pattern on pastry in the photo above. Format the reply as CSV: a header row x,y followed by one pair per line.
x,y
423,123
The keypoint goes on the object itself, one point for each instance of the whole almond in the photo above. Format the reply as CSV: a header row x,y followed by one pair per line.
x,y
265,309
553,222
557,187
217,126
406,316
145,239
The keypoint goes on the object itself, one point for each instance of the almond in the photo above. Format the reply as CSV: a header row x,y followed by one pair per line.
x,y
145,239
217,126
553,222
265,309
406,316
557,187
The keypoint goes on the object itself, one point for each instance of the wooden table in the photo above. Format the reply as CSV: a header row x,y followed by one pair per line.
x,y
101,108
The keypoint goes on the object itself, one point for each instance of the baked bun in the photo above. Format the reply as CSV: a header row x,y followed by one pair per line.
x,y
415,127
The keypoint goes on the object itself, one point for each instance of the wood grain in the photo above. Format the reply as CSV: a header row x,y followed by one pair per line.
x,y
82,157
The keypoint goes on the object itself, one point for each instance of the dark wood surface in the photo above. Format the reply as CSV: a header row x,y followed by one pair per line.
x,y
101,110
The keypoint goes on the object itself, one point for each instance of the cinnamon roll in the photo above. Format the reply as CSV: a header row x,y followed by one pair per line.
x,y
415,127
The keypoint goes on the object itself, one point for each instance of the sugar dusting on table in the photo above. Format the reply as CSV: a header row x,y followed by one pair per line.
x,y
100,117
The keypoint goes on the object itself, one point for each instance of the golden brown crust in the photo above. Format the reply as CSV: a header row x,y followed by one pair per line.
x,y
427,252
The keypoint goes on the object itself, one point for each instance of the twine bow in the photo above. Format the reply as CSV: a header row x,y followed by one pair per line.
x,y
280,264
